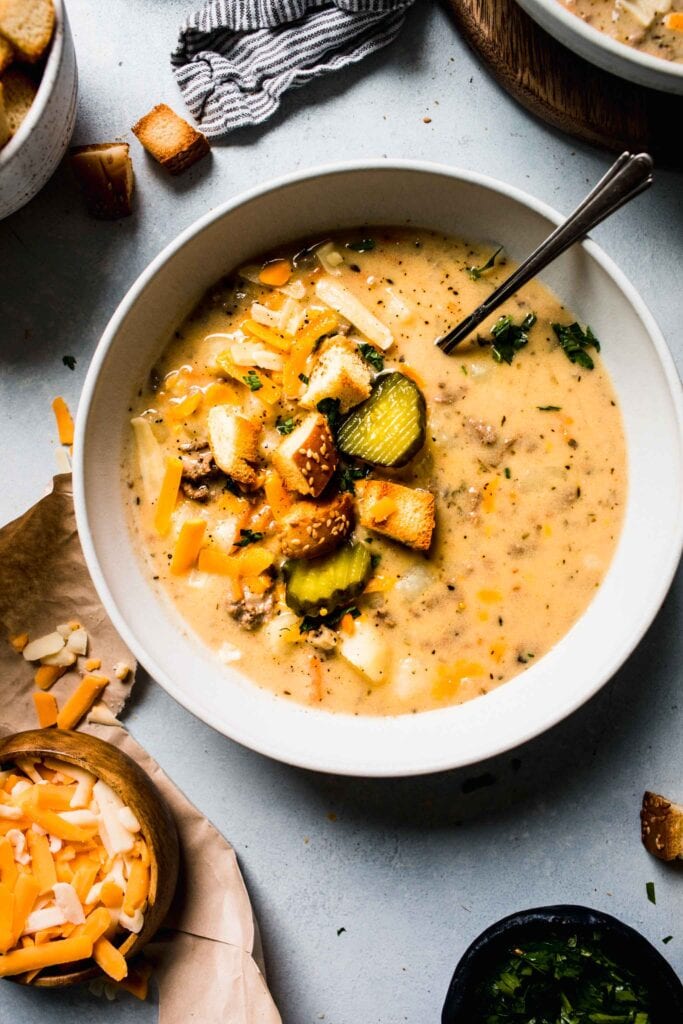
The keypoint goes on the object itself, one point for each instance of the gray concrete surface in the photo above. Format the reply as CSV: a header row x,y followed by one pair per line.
x,y
412,870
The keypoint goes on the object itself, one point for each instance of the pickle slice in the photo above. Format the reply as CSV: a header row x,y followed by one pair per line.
x,y
320,585
388,429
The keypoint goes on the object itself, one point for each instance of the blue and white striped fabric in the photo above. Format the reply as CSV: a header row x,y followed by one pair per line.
x,y
235,58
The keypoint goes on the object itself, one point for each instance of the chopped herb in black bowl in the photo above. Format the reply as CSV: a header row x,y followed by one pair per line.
x,y
562,965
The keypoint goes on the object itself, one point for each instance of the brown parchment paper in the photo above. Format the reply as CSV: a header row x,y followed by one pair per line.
x,y
208,961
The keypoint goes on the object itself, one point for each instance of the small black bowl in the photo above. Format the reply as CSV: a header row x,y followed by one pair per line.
x,y
625,945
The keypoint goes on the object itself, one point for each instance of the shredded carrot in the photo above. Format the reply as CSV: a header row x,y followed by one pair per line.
x,y
251,561
84,877
347,624
80,702
266,392
316,676
46,675
92,664
65,423
46,708
220,393
266,334
19,641
96,924
111,894
258,584
276,273
674,21
379,584
52,797
110,959
187,545
277,495
320,323
32,958
168,495
64,872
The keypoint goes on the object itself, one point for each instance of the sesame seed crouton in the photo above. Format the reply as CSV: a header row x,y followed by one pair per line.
x,y
104,173
405,514
233,440
662,826
339,373
173,143
6,54
19,92
312,528
28,25
307,458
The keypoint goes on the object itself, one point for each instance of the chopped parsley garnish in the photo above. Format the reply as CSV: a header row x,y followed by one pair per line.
x,y
363,245
253,381
69,361
562,981
574,342
375,559
303,378
476,272
548,408
329,407
285,426
667,938
347,476
508,474
650,890
340,930
509,338
310,623
249,537
371,356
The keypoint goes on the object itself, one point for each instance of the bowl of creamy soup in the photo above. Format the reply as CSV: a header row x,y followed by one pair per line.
x,y
338,545
641,40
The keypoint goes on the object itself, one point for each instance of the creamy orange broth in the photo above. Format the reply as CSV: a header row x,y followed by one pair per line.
x,y
657,31
529,503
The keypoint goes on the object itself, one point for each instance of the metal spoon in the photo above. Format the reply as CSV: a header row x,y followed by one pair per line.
x,y
627,177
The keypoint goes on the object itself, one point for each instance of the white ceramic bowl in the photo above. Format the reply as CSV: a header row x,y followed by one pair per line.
x,y
31,157
600,49
461,203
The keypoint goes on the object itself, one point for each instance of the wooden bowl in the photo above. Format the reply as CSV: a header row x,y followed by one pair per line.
x,y
138,791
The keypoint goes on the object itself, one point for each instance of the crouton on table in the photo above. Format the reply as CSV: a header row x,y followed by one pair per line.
x,y
405,514
173,143
233,440
104,172
307,458
312,528
662,826
339,373
28,25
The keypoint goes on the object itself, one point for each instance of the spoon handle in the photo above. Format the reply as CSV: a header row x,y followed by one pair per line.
x,y
626,178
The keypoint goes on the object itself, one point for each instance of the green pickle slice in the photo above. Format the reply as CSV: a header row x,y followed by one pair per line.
x,y
319,585
388,429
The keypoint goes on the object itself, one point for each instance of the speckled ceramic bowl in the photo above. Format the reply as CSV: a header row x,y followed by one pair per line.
x,y
31,157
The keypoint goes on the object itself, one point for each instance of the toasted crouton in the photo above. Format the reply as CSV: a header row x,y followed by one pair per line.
x,y
28,25
6,54
312,528
174,143
5,132
105,175
307,458
339,373
406,514
19,92
234,444
662,826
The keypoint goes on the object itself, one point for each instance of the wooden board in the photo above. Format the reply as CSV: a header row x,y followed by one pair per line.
x,y
566,91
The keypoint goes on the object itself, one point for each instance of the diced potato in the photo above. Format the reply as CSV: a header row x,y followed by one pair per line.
x,y
367,651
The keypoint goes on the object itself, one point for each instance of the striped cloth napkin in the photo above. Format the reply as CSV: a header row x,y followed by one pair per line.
x,y
235,58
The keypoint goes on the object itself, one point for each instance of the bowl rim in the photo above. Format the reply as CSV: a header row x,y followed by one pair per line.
x,y
240,731
567,916
47,83
593,37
